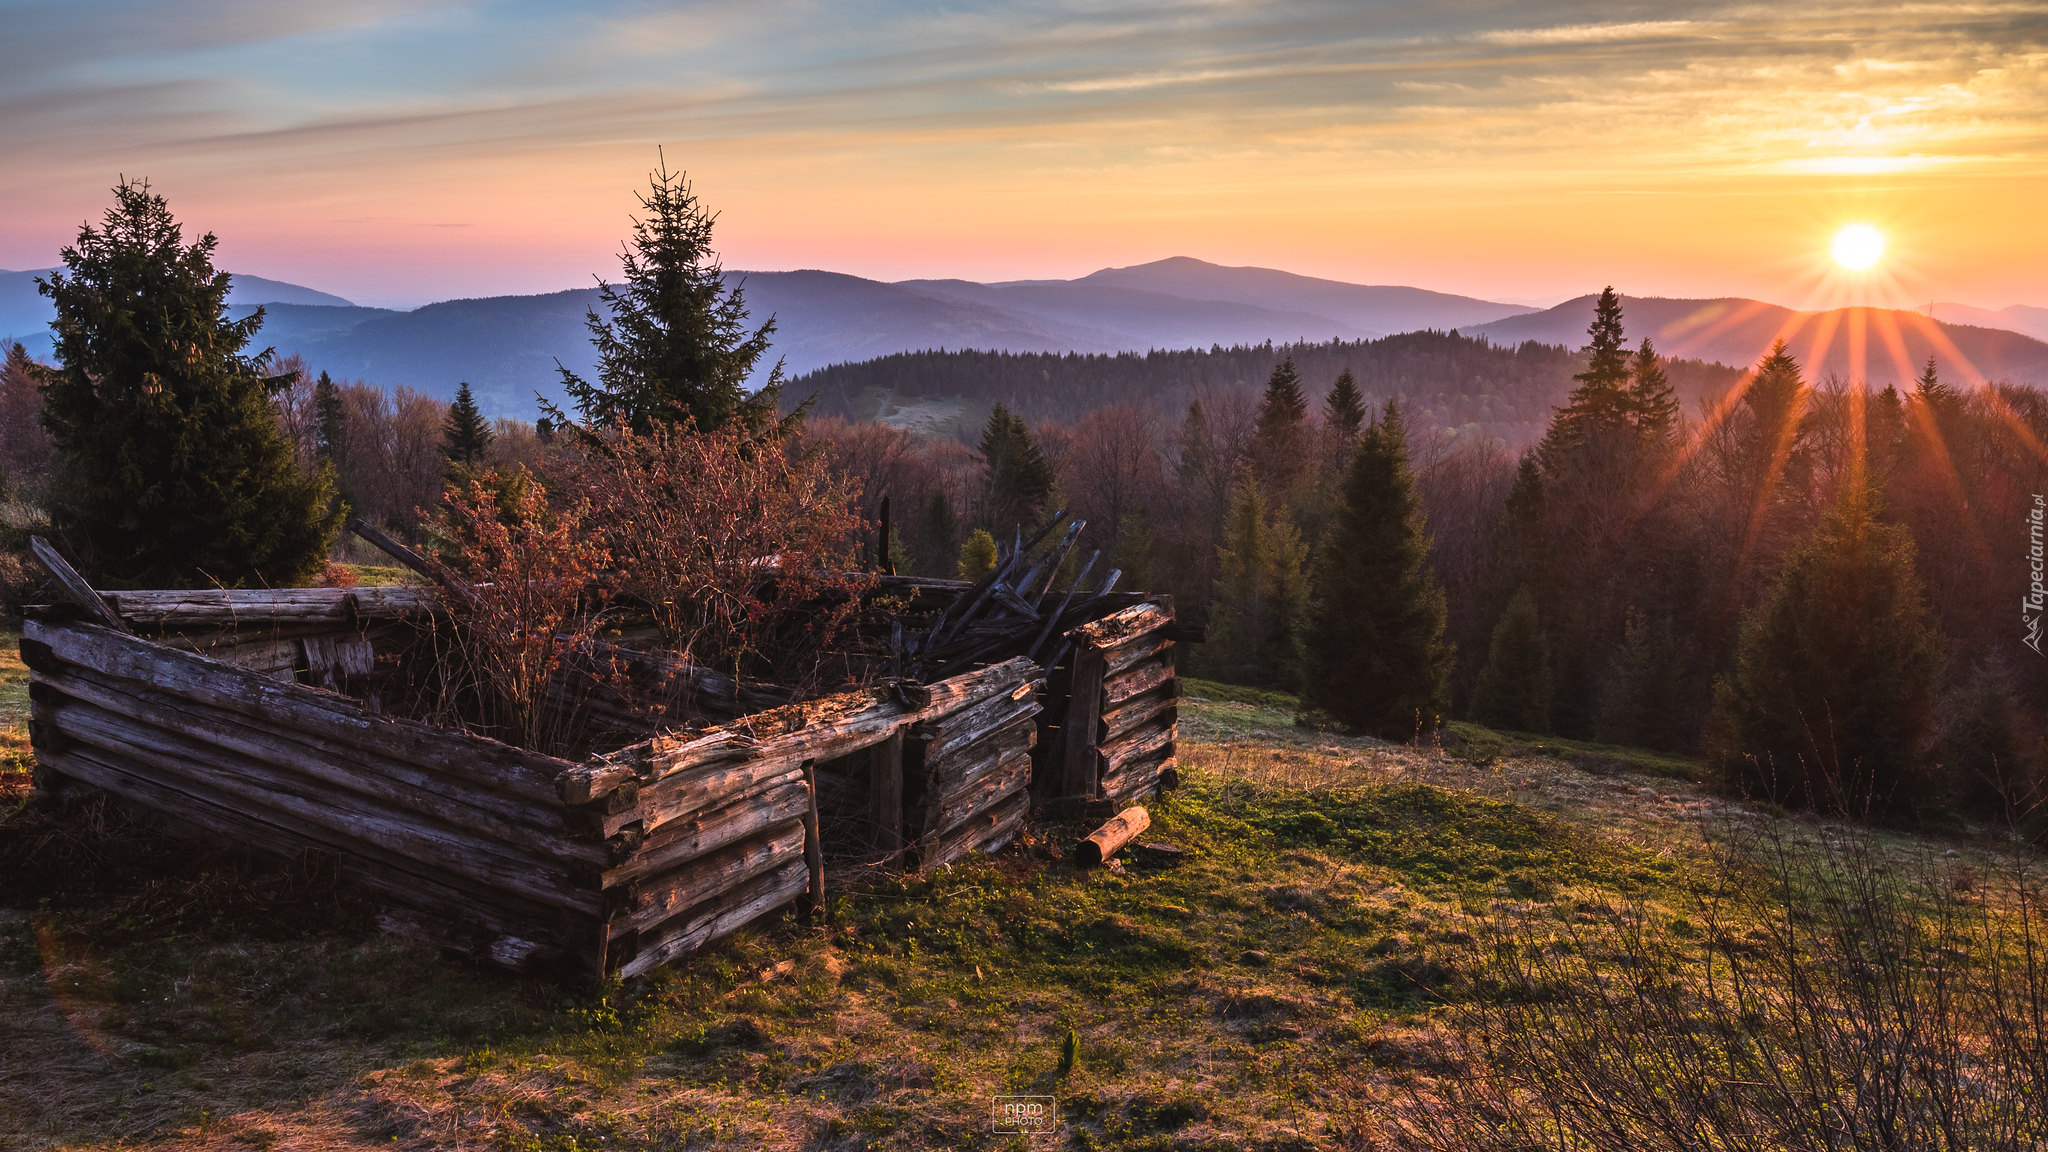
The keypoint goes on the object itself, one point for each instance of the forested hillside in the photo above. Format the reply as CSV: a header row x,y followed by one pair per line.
x,y
1449,382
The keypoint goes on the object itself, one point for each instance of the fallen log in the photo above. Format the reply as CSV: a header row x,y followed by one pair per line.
x,y
269,607
75,586
1103,843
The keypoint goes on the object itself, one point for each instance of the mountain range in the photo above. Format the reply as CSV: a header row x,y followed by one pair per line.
x,y
508,347
1879,345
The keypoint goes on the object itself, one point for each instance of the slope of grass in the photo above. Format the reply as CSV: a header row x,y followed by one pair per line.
x,y
1265,987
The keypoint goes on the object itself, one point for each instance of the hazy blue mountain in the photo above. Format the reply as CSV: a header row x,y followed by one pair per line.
x,y
1737,332
2021,318
1375,310
25,314
1129,318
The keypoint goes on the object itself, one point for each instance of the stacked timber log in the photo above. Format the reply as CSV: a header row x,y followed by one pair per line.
x,y
968,773
439,820
706,831
1118,699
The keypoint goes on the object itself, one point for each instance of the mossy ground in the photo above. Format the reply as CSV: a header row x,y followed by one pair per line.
x,y
1262,988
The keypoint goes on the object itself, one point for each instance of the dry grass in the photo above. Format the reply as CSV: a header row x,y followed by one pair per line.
x,y
1275,987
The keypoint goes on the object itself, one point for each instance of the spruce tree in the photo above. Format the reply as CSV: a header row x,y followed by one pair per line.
x,y
172,468
1344,411
1652,404
1279,433
330,428
1599,406
1831,700
1016,479
1255,620
1514,684
465,435
1375,654
675,346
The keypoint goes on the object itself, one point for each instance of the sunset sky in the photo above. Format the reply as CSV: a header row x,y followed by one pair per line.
x,y
399,151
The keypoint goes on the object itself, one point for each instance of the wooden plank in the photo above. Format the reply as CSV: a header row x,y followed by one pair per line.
x,y
661,898
413,560
885,792
353,821
1121,659
1136,777
814,847
985,831
1011,773
682,840
76,586
1077,777
524,827
1138,679
1136,713
1135,745
965,768
1119,628
294,709
1001,714
262,607
717,917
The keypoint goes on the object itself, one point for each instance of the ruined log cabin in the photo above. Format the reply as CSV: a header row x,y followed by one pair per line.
x,y
260,718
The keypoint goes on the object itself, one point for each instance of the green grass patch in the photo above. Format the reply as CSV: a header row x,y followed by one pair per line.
x,y
1239,694
1477,743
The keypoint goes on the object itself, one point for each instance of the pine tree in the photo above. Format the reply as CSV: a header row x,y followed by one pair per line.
x,y
1278,435
1831,700
172,468
1514,684
1376,656
1255,621
1344,411
465,435
1016,479
977,556
675,346
1599,406
330,429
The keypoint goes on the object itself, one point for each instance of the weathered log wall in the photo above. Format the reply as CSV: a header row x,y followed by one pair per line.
x,y
241,718
1113,714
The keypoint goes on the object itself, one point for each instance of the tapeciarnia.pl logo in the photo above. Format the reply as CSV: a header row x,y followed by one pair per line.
x,y
2036,599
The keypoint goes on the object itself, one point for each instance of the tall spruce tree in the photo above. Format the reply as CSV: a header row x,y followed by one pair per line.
x,y
1831,700
1261,596
330,435
1016,478
675,345
1376,658
1514,684
1344,410
172,468
1279,434
465,435
1599,406
1652,403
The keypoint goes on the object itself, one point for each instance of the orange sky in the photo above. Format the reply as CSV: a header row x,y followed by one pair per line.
x,y
406,150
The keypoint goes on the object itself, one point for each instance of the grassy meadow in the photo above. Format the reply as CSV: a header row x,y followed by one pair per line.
x,y
1300,972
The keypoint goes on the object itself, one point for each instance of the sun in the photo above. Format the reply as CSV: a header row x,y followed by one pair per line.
x,y
1858,247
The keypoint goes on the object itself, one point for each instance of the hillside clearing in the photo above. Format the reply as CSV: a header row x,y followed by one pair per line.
x,y
1268,988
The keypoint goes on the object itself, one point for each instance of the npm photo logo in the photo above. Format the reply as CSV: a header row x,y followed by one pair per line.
x,y
1025,1115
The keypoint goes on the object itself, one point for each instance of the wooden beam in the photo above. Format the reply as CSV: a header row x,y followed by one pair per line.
x,y
1084,704
76,587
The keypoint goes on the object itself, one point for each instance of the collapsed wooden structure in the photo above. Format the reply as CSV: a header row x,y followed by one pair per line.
x,y
255,717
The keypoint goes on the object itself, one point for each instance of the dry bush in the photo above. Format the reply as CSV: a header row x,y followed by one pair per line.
x,y
534,574
743,551
1820,993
